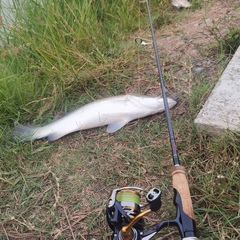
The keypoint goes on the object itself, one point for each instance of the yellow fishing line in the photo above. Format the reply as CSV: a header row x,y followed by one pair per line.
x,y
128,196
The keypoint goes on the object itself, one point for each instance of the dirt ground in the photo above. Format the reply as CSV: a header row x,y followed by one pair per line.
x,y
184,44
185,37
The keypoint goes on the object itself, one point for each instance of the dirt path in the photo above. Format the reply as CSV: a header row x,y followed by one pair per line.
x,y
186,36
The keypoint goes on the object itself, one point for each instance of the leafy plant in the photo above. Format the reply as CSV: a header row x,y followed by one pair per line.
x,y
228,42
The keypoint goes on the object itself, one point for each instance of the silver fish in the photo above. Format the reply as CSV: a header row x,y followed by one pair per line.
x,y
113,111
181,3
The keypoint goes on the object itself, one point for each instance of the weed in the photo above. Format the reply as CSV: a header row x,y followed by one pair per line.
x,y
229,42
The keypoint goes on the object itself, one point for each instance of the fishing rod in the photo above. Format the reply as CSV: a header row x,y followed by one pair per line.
x,y
123,210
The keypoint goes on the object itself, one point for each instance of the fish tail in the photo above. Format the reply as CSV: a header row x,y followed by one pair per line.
x,y
25,133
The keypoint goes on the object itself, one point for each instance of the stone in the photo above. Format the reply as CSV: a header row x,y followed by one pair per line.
x,y
221,112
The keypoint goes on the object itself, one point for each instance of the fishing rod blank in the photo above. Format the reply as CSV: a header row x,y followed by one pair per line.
x,y
167,111
179,179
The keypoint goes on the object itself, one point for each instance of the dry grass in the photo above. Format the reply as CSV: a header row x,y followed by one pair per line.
x,y
59,190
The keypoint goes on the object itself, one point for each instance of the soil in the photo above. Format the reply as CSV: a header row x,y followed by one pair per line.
x,y
188,50
187,36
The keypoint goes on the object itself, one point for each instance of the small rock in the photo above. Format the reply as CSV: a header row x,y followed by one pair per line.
x,y
198,70
198,63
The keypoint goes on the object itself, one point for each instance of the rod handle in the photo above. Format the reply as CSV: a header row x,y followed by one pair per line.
x,y
180,183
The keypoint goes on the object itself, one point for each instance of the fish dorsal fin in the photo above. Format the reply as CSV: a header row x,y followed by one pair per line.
x,y
113,127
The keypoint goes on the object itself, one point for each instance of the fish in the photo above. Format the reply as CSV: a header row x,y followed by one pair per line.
x,y
115,112
181,3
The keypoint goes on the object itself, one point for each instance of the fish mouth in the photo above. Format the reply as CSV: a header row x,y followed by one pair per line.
x,y
177,99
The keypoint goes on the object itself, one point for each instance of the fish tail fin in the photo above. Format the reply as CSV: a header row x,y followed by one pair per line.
x,y
25,133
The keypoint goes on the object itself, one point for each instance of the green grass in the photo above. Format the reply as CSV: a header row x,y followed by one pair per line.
x,y
59,56
52,46
226,43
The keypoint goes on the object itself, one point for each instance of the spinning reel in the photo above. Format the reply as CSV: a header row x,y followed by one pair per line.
x,y
125,214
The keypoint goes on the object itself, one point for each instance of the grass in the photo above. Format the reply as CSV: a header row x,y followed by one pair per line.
x,y
58,56
53,51
228,43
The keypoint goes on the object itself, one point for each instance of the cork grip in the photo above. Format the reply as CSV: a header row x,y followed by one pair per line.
x,y
180,183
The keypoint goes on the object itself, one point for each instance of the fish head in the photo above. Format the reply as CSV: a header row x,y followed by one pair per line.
x,y
150,105
158,104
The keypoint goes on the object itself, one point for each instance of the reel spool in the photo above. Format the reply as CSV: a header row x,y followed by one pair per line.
x,y
129,200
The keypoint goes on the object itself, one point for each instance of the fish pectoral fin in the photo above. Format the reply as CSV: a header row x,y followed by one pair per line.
x,y
54,136
113,127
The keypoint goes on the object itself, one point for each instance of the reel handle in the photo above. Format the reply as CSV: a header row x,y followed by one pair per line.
x,y
180,183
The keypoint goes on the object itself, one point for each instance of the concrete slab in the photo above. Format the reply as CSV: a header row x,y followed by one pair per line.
x,y
221,111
